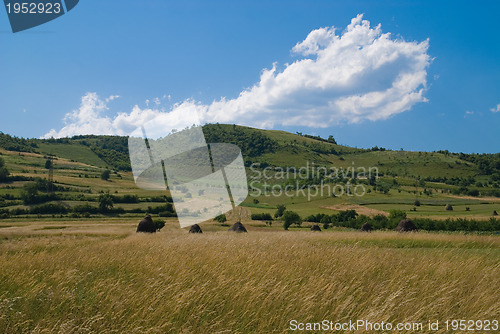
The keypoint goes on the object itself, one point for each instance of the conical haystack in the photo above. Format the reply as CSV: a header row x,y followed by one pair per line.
x,y
406,225
238,227
366,227
195,229
315,228
146,225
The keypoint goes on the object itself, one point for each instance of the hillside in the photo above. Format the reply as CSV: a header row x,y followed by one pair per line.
x,y
320,175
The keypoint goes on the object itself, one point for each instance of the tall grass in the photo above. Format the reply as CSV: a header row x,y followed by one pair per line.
x,y
218,282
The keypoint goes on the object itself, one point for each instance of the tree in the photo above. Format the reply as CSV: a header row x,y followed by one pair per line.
x,y
48,164
105,202
347,215
29,193
380,221
280,211
326,220
4,173
105,175
290,218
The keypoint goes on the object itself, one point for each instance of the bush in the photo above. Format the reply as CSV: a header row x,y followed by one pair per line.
x,y
4,213
159,224
380,222
105,175
136,210
30,194
126,199
167,214
4,173
220,218
346,216
168,207
261,216
105,202
49,208
85,208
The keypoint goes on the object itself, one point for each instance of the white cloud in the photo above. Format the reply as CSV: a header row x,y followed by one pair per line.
x,y
359,74
90,118
496,109
468,113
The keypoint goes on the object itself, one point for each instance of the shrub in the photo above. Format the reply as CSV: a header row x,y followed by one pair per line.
x,y
85,208
168,207
159,224
167,214
105,202
261,216
105,175
220,218
126,199
49,208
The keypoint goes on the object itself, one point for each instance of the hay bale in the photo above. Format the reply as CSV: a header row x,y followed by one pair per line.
x,y
315,228
448,207
195,229
238,227
146,225
495,213
367,227
406,225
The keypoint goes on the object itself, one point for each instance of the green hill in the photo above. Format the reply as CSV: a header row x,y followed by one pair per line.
x,y
389,179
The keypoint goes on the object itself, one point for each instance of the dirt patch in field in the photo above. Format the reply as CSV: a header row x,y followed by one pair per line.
x,y
488,199
362,210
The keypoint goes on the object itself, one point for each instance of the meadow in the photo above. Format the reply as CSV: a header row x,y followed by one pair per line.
x,y
75,267
102,277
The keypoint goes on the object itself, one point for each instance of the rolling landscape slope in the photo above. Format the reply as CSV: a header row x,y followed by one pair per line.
x,y
320,175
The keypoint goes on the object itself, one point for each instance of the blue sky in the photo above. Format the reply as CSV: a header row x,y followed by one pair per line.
x,y
65,75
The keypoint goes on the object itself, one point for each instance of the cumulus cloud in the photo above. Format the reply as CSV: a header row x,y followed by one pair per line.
x,y
89,118
496,109
359,74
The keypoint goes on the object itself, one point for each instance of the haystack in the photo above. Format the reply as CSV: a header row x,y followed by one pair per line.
x,y
495,213
195,229
406,225
315,228
146,225
238,227
448,207
367,227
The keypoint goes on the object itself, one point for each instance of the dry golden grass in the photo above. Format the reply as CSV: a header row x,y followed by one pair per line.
x,y
221,282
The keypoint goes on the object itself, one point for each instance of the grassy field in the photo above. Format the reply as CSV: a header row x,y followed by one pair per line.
x,y
100,277
72,273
